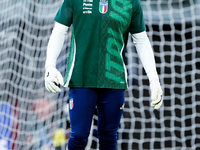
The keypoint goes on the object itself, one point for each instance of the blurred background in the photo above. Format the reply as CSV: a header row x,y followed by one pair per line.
x,y
33,119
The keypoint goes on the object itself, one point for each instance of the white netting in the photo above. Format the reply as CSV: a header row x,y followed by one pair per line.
x,y
174,31
25,27
29,115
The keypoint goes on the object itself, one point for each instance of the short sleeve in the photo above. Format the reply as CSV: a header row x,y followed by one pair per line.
x,y
137,22
65,13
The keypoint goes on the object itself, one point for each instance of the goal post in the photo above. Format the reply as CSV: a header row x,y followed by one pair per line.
x,y
30,115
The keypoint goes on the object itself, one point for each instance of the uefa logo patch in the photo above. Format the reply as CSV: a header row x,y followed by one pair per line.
x,y
103,7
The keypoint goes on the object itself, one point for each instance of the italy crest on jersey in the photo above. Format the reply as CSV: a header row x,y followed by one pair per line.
x,y
71,104
103,7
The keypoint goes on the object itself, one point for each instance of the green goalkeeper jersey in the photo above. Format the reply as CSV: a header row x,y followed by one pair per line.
x,y
99,36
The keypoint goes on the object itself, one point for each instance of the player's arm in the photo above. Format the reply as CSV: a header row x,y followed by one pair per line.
x,y
53,77
146,56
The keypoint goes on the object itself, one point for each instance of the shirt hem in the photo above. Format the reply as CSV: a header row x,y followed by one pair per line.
x,y
93,86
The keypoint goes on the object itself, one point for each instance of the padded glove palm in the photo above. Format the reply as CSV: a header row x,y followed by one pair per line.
x,y
156,94
53,79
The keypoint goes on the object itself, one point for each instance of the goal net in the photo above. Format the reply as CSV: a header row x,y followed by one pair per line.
x,y
33,119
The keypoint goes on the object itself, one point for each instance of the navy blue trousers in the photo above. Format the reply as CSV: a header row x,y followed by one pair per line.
x,y
82,104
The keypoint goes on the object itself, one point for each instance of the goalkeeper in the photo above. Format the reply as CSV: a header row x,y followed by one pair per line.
x,y
95,70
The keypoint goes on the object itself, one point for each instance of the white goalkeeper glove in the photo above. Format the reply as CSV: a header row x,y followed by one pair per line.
x,y
53,79
156,94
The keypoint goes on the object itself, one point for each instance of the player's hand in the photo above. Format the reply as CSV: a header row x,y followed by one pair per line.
x,y
156,94
53,79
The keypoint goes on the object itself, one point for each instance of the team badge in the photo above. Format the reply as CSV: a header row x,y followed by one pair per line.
x,y
103,7
71,104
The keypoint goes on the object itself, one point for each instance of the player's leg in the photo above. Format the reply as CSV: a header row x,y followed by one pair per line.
x,y
82,104
110,106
